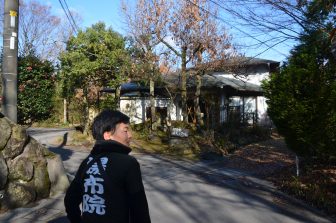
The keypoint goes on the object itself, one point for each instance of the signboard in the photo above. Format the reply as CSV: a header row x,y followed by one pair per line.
x,y
178,132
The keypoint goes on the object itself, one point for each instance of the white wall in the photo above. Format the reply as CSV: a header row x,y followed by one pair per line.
x,y
255,77
263,117
136,108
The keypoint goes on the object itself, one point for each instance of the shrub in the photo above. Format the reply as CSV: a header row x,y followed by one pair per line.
x,y
36,89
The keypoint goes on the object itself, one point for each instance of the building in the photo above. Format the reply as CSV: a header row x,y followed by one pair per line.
x,y
227,95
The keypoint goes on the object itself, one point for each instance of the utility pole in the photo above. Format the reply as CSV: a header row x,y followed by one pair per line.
x,y
10,59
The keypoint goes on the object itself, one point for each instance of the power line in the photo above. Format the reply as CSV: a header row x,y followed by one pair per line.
x,y
72,19
73,25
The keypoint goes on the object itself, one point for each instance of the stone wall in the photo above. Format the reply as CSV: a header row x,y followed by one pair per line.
x,y
28,170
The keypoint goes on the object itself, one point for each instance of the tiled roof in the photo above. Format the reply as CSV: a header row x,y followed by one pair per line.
x,y
212,81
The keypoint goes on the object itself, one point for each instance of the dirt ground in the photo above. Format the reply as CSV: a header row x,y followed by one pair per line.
x,y
263,159
271,160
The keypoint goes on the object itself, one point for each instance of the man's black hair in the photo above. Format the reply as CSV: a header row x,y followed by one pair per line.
x,y
106,121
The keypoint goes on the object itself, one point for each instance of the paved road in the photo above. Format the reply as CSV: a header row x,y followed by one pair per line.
x,y
183,191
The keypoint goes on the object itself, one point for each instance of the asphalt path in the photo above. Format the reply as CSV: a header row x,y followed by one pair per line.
x,y
202,192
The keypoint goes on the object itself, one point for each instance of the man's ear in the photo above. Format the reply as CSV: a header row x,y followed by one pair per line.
x,y
107,135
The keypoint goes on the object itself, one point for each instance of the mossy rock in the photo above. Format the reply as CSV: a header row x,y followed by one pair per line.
x,y
5,132
59,181
18,194
16,142
3,172
41,179
35,151
21,169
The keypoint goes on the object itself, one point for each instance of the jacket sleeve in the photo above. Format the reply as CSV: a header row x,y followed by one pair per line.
x,y
73,199
139,212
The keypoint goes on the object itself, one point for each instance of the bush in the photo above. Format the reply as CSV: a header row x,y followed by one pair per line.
x,y
36,89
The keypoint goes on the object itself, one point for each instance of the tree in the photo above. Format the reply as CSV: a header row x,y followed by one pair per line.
x,y
143,48
40,32
270,23
302,97
36,86
95,58
188,32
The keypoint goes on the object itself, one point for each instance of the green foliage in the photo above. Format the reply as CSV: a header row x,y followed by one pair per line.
x,y
35,89
108,102
94,58
302,97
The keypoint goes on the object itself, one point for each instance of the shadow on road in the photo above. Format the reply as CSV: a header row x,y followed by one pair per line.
x,y
244,194
59,149
62,219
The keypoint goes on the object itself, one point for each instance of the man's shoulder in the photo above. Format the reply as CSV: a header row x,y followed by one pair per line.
x,y
124,158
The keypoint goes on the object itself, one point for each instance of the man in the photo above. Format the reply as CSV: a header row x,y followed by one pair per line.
x,y
108,182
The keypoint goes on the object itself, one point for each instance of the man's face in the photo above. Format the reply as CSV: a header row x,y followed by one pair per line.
x,y
122,134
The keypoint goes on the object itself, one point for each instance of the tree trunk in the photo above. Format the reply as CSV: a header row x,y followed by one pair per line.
x,y
86,114
65,111
199,119
117,95
184,85
152,103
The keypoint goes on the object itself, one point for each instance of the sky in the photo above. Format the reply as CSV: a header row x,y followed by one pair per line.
x,y
92,11
109,11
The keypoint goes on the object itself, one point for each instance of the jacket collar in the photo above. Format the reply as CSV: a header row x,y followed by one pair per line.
x,y
109,146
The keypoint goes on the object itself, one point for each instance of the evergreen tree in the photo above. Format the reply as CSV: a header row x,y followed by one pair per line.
x,y
95,58
302,98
